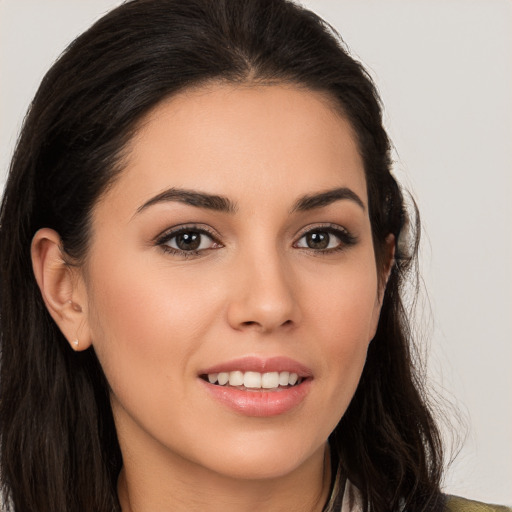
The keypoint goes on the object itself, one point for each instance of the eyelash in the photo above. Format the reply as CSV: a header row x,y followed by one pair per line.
x,y
166,237
345,237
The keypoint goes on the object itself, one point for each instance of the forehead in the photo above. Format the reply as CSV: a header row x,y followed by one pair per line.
x,y
273,141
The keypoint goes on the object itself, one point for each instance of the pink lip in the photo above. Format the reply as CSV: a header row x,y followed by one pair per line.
x,y
260,402
261,365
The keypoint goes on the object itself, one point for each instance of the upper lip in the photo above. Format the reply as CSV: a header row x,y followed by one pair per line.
x,y
260,365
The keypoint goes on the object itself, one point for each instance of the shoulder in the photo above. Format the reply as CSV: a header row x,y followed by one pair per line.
x,y
457,504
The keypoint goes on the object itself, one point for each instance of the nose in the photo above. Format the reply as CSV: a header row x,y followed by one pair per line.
x,y
263,294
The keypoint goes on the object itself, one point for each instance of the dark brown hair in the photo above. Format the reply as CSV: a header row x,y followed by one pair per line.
x,y
59,449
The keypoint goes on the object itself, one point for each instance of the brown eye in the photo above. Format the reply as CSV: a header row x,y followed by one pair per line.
x,y
326,239
189,240
318,240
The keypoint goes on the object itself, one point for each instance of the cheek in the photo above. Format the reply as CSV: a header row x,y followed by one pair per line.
x,y
345,319
347,307
149,325
146,321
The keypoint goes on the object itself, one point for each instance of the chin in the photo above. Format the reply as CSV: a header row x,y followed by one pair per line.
x,y
262,460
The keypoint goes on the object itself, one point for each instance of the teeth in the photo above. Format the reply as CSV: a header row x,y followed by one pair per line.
x,y
236,378
223,378
254,380
284,378
270,380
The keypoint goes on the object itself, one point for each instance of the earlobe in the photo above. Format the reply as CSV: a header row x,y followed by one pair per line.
x,y
60,288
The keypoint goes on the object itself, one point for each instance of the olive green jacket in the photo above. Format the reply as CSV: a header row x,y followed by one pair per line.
x,y
456,504
349,501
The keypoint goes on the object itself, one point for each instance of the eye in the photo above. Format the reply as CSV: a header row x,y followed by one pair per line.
x,y
187,240
326,239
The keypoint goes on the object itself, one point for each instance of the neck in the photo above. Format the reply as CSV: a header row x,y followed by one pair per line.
x,y
187,486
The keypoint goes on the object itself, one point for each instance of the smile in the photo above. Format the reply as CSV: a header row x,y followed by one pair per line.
x,y
254,386
255,380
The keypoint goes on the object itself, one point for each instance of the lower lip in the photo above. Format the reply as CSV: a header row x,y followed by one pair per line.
x,y
261,403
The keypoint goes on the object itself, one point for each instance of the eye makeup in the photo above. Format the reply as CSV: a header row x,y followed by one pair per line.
x,y
319,238
188,240
192,240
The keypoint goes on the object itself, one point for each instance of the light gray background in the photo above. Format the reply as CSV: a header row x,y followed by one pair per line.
x,y
444,70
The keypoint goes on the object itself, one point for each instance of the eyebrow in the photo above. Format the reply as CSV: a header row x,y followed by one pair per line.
x,y
223,204
322,199
192,198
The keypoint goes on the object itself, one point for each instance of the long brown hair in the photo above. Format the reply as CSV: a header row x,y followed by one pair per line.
x,y
59,449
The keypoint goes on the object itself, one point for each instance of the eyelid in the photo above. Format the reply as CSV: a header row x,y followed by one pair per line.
x,y
342,233
346,237
165,236
326,226
180,228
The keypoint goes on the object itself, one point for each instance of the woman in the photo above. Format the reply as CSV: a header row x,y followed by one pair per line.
x,y
203,252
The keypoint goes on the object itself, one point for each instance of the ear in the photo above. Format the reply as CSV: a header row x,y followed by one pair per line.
x,y
389,261
383,277
62,288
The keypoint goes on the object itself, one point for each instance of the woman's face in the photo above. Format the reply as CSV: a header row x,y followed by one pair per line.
x,y
236,244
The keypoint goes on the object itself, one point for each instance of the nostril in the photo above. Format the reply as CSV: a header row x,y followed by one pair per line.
x,y
251,323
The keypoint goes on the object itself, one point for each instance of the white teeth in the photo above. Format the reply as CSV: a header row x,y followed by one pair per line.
x,y
254,380
236,378
284,378
223,378
270,380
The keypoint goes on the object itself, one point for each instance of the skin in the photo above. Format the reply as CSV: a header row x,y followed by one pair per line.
x,y
156,318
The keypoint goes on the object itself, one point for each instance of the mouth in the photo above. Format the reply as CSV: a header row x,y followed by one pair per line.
x,y
255,386
254,381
